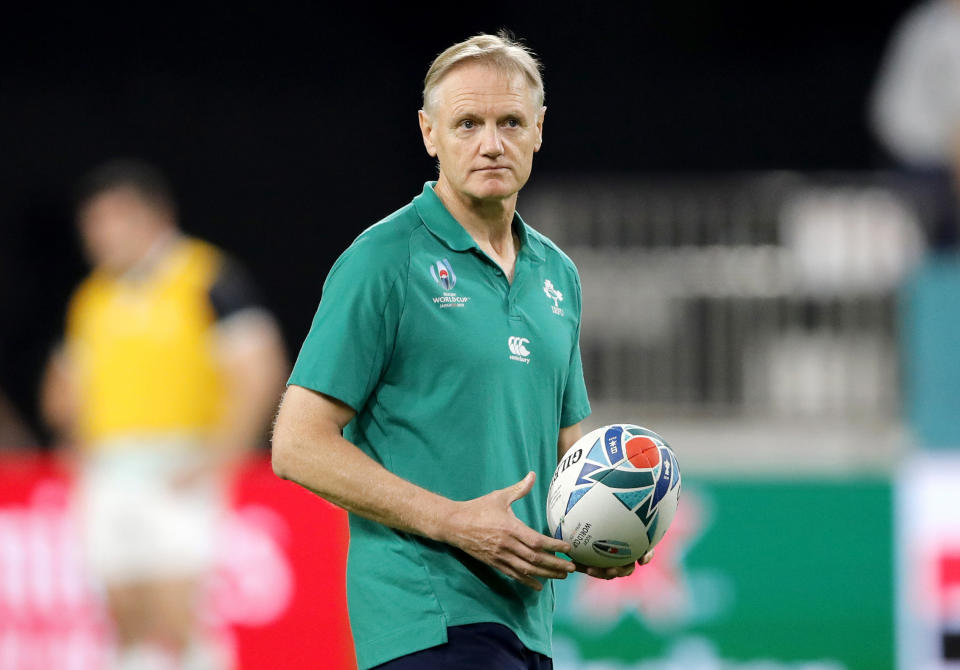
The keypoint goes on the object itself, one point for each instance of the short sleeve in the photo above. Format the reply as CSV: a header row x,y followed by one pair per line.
x,y
354,330
233,291
575,405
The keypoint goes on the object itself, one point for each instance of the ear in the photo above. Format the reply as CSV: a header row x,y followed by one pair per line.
x,y
426,129
543,113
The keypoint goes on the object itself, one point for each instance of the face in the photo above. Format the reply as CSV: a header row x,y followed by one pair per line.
x,y
484,126
118,228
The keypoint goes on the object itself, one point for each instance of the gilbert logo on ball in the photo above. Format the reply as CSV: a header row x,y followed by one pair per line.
x,y
614,494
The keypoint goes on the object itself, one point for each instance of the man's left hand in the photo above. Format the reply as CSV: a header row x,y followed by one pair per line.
x,y
618,571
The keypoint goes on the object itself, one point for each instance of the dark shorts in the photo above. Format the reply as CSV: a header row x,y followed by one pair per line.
x,y
476,646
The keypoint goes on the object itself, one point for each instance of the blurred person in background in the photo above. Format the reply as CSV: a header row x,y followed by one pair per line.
x,y
168,372
916,109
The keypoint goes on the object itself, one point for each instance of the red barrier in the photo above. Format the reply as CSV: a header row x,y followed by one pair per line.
x,y
277,597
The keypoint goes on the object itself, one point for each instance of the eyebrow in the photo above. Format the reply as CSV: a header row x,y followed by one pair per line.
x,y
464,114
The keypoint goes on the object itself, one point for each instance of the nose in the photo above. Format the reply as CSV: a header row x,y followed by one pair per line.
x,y
491,145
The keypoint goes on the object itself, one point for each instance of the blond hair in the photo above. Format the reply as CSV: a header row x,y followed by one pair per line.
x,y
502,51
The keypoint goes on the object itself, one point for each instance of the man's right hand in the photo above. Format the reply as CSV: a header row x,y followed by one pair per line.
x,y
487,529
308,448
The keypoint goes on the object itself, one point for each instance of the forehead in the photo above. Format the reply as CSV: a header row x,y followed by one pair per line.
x,y
113,201
474,86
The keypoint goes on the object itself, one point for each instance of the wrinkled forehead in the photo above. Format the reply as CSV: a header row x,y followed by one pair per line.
x,y
483,84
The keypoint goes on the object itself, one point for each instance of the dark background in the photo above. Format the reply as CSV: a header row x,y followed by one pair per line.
x,y
286,130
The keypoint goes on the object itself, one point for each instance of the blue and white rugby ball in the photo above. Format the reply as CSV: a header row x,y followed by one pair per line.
x,y
614,494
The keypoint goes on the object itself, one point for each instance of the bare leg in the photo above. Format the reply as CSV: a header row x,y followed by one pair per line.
x,y
129,611
173,604
157,618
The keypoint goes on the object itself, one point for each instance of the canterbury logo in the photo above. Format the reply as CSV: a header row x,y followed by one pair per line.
x,y
516,346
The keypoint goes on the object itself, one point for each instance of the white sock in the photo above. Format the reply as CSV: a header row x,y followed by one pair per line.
x,y
206,654
145,657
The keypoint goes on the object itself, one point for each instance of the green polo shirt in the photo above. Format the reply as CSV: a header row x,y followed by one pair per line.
x,y
461,382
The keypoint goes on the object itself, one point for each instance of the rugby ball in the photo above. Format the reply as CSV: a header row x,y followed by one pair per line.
x,y
613,495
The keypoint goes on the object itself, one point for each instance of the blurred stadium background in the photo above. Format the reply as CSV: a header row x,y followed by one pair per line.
x,y
762,285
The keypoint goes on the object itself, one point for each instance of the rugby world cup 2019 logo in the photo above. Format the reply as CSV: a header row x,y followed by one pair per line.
x,y
443,276
442,273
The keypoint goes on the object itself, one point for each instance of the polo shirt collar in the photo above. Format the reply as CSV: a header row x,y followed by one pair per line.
x,y
441,223
529,244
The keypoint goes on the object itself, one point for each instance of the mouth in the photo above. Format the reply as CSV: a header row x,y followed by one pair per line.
x,y
494,168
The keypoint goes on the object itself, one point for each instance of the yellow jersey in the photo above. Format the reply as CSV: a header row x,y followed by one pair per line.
x,y
144,350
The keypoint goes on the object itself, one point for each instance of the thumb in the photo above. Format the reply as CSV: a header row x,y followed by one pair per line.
x,y
522,487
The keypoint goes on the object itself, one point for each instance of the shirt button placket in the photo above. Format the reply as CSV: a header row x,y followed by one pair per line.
x,y
512,312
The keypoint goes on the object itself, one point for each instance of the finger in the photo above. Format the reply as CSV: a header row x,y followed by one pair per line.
x,y
529,570
538,541
521,488
592,571
543,559
606,573
548,561
539,563
601,573
518,575
646,558
547,565
597,573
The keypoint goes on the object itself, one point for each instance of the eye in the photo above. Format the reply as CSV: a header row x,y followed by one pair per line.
x,y
467,124
513,122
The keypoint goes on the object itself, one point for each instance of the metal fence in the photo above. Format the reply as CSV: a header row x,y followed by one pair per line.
x,y
762,295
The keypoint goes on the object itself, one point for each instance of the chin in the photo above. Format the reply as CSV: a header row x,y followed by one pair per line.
x,y
494,189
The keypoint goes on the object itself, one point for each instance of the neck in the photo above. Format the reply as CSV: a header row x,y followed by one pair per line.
x,y
489,222
151,254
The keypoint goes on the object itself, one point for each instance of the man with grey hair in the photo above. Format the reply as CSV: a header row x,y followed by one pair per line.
x,y
440,382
